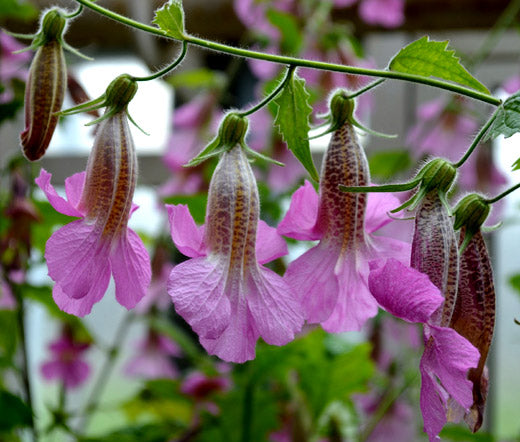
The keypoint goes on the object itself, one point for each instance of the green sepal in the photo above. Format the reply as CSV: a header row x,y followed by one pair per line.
x,y
400,187
206,153
84,107
370,131
135,124
411,203
493,228
75,51
260,156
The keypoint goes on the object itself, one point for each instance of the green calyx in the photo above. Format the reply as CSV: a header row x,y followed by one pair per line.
x,y
53,26
438,174
471,212
120,92
233,130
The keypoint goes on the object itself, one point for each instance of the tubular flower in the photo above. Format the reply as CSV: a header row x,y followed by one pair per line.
x,y
45,87
224,292
82,255
331,278
448,356
474,313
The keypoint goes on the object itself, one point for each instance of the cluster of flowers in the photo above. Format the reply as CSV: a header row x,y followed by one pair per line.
x,y
225,292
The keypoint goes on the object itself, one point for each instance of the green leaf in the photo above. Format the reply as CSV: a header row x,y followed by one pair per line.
x,y
197,79
433,59
15,413
507,121
292,39
18,10
170,18
196,203
8,336
514,281
292,119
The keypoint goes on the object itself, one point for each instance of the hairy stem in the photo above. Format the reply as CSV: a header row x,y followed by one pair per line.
x,y
298,62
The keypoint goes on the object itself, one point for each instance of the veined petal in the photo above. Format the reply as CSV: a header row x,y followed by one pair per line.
x,y
131,269
56,201
273,305
300,219
403,291
80,306
355,302
237,342
269,244
77,260
198,290
312,278
376,213
74,188
188,238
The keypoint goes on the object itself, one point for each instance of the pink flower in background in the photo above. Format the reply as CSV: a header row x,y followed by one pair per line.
x,y
386,13
512,84
66,364
447,358
331,278
11,65
224,292
82,255
202,387
7,301
154,358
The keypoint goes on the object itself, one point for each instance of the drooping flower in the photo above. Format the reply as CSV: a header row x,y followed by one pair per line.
x,y
331,278
474,313
154,358
224,292
66,363
45,89
447,358
82,255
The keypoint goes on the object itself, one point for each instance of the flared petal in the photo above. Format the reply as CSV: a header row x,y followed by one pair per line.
x,y
269,244
74,188
300,219
77,259
185,234
237,342
403,291
60,204
312,278
355,302
376,212
81,306
131,269
198,290
274,307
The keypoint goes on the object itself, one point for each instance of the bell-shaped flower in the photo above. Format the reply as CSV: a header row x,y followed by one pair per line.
x,y
448,356
82,255
224,292
331,278
66,363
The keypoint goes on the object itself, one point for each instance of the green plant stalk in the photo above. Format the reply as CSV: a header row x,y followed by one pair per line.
x,y
502,195
298,62
168,68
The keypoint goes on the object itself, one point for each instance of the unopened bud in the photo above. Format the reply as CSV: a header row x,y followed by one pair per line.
x,y
233,129
439,175
471,212
53,24
341,109
121,91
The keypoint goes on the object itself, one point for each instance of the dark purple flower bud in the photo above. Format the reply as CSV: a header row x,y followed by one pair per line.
x,y
45,87
474,317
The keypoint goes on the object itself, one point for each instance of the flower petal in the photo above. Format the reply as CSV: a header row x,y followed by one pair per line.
x,y
59,203
74,188
81,306
312,277
403,291
269,244
197,288
274,307
131,269
376,213
355,302
300,219
185,234
77,259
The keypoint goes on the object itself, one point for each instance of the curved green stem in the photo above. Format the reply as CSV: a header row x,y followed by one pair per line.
x,y
502,195
477,140
167,68
272,95
298,62
75,13
366,88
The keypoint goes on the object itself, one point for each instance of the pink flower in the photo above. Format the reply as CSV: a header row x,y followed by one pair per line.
x,y
66,364
82,255
512,84
331,278
153,359
224,292
7,300
447,358
386,13
200,386
11,65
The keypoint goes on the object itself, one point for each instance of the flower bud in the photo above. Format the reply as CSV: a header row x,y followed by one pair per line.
x,y
120,92
53,25
341,109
